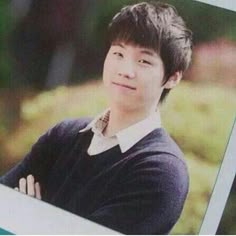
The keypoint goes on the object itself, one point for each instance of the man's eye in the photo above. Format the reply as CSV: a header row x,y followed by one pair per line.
x,y
145,62
118,54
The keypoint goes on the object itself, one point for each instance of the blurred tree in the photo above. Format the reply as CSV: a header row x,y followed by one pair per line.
x,y
5,28
45,34
206,21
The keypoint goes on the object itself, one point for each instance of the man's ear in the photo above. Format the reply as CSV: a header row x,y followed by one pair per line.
x,y
173,80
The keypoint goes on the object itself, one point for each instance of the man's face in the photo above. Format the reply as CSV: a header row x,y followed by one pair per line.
x,y
133,76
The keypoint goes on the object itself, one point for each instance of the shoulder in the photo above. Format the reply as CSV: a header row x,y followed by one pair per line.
x,y
63,132
164,174
159,143
69,127
158,155
160,164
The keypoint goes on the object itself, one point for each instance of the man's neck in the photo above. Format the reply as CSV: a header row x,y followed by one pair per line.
x,y
121,119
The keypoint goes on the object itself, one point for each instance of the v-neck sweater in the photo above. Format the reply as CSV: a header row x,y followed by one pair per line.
x,y
140,191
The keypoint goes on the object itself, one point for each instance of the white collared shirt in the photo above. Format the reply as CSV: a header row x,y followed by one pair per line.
x,y
125,138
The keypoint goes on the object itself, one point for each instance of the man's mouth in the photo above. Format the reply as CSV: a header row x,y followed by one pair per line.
x,y
124,85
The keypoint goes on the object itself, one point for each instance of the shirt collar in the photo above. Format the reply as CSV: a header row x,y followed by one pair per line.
x,y
130,136
99,123
127,137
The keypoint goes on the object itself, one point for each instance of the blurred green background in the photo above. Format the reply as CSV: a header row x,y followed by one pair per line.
x,y
51,57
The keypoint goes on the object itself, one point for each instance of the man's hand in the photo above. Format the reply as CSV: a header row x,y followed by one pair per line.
x,y
29,187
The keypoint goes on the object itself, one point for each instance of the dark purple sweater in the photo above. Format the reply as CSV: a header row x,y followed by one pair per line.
x,y
141,191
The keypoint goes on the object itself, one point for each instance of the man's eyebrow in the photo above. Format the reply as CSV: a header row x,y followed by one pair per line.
x,y
142,50
118,44
148,52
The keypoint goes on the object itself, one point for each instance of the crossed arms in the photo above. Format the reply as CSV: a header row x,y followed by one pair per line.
x,y
146,199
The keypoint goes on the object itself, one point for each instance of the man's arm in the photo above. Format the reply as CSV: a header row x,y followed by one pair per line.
x,y
37,162
149,200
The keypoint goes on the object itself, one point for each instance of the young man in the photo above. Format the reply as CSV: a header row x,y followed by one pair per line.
x,y
121,169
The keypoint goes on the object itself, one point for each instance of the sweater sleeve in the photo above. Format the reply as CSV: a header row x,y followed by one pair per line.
x,y
150,198
43,153
37,162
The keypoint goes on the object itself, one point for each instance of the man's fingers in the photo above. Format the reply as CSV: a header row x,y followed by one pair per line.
x,y
37,191
30,185
22,185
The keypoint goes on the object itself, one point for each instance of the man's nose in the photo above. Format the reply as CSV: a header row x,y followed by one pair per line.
x,y
127,70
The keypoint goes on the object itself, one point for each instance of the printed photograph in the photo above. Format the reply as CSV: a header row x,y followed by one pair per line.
x,y
117,111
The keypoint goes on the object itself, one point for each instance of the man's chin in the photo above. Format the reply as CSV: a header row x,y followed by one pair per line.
x,y
123,104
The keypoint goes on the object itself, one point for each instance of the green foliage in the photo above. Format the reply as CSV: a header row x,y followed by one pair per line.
x,y
201,119
64,102
198,116
220,22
